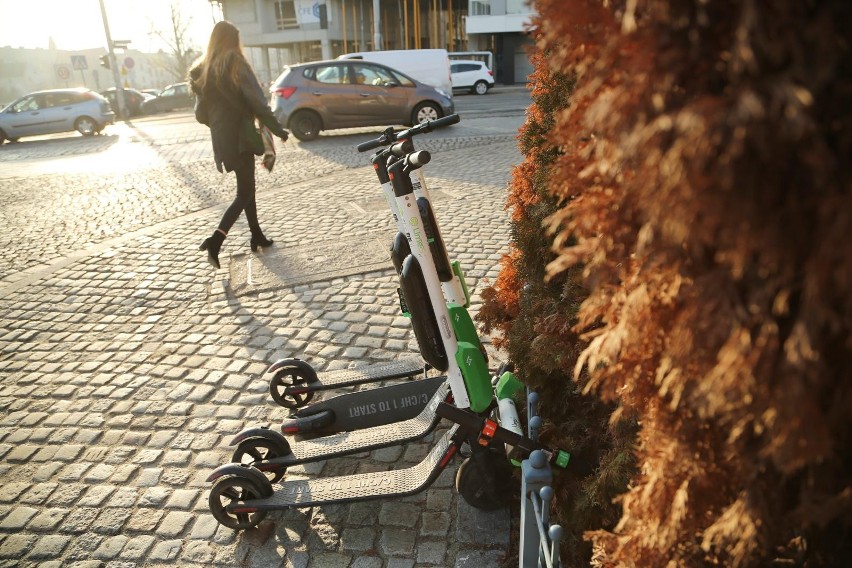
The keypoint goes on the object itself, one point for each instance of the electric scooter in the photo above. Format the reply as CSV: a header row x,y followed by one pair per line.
x,y
293,382
242,493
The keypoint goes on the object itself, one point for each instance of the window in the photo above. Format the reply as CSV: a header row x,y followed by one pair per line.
x,y
369,75
335,74
285,15
28,104
480,7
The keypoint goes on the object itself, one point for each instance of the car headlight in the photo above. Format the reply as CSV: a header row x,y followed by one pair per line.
x,y
443,93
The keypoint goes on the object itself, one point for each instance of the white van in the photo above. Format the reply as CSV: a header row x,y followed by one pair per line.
x,y
430,66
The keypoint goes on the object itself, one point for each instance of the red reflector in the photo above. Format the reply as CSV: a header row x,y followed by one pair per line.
x,y
290,429
447,457
490,72
285,92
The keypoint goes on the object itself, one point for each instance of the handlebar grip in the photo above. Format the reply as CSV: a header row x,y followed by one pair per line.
x,y
446,121
401,148
369,145
418,159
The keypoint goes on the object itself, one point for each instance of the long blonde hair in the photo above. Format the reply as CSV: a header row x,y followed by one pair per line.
x,y
221,63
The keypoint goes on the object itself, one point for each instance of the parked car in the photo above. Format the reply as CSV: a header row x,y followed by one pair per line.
x,y
172,97
152,92
56,110
323,95
133,100
474,76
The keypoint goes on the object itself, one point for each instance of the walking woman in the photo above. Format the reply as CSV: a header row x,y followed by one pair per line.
x,y
228,99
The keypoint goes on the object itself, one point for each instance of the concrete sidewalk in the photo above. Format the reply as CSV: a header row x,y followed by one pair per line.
x,y
128,364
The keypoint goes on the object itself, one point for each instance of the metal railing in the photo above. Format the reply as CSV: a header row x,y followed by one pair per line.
x,y
539,539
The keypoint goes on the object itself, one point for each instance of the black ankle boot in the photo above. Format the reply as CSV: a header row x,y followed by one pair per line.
x,y
212,246
258,240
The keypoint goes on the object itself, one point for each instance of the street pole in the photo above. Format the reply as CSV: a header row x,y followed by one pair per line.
x,y
119,89
377,27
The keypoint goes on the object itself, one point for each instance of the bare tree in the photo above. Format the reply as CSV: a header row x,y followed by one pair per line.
x,y
180,48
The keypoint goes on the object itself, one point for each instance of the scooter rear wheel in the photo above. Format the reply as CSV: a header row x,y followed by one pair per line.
x,y
234,488
255,451
285,379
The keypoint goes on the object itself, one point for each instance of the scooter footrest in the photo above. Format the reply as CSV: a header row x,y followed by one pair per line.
x,y
376,437
363,486
393,370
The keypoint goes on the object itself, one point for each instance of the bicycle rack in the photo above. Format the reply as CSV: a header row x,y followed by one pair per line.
x,y
539,546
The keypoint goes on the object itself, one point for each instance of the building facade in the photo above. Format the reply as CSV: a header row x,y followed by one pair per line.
x,y
279,32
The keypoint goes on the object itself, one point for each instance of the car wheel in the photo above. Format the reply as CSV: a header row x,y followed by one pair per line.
x,y
305,125
86,126
480,88
424,112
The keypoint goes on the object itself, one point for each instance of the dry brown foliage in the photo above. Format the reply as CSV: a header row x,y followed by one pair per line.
x,y
707,153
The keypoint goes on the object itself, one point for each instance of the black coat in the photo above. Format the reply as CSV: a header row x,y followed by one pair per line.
x,y
230,113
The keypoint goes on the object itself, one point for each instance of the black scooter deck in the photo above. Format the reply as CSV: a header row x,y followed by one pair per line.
x,y
346,443
364,409
400,369
359,487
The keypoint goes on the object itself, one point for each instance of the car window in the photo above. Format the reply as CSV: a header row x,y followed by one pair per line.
x,y
399,78
28,104
181,90
168,92
335,74
371,75
60,99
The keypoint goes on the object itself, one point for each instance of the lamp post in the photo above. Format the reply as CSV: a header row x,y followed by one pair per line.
x,y
377,30
119,90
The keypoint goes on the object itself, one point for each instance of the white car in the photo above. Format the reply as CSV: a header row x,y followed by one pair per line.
x,y
471,75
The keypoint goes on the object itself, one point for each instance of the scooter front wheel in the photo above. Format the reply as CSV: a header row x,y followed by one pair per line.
x,y
287,385
256,451
228,490
485,481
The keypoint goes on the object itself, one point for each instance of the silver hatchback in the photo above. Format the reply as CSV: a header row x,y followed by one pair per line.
x,y
311,97
56,110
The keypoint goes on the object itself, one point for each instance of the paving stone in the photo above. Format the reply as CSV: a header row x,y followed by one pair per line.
x,y
78,520
474,526
479,558
165,551
18,518
435,524
397,542
47,520
110,547
397,514
174,524
145,520
431,552
357,539
137,547
49,546
367,562
16,545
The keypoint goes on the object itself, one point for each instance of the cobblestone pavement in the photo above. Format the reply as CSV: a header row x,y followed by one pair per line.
x,y
126,366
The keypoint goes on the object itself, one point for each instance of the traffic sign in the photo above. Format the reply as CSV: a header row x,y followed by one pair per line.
x,y
63,72
129,63
79,62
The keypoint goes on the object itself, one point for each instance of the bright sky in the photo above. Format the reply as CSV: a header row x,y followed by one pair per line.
x,y
77,24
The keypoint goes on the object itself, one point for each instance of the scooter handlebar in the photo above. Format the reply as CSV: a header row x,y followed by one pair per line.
x,y
388,137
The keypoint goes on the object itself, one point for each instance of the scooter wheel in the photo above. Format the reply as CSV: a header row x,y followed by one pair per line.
x,y
485,482
289,379
225,491
255,451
